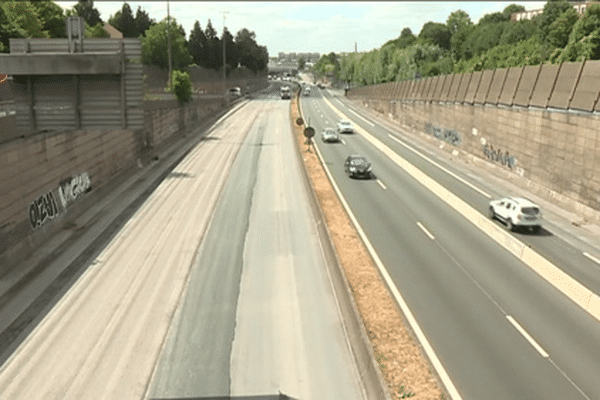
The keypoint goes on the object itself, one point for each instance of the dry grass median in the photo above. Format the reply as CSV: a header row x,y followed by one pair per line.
x,y
403,364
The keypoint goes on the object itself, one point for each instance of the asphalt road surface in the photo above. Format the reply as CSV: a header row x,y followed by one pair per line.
x,y
500,330
215,287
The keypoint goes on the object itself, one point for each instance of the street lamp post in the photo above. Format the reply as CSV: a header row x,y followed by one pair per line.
x,y
169,47
224,59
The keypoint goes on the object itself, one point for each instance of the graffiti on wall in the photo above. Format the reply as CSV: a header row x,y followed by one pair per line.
x,y
496,155
45,208
447,135
70,189
42,210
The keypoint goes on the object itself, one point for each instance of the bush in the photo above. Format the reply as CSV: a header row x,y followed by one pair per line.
x,y
182,86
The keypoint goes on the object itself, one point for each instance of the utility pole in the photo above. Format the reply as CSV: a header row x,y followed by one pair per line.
x,y
169,47
224,58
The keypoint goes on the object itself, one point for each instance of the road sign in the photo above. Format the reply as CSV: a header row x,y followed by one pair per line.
x,y
309,132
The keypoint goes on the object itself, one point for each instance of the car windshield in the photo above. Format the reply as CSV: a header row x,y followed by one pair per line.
x,y
358,161
329,131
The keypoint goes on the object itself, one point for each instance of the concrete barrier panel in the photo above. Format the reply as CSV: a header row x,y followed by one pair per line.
x,y
588,87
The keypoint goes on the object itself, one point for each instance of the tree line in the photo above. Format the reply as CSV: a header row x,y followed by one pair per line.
x,y
558,34
46,19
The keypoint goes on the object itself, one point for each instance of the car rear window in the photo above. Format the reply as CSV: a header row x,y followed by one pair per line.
x,y
530,210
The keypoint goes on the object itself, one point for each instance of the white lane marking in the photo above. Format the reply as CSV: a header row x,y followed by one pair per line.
x,y
527,336
343,141
591,257
381,184
437,364
359,116
441,167
426,231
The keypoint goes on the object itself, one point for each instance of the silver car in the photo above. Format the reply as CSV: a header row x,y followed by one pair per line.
x,y
345,126
329,135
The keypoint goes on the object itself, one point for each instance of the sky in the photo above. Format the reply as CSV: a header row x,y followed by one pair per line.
x,y
302,27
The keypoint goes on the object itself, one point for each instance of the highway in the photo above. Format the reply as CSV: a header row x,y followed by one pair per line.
x,y
215,288
499,329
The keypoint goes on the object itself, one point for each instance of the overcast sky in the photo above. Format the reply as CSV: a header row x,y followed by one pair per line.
x,y
321,27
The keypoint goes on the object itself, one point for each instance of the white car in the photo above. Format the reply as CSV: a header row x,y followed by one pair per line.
x,y
329,135
516,212
344,126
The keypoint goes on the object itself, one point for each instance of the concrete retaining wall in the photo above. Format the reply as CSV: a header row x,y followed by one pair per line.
x,y
48,179
557,150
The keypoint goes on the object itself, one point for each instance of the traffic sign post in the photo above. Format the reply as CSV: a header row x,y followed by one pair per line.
x,y
309,132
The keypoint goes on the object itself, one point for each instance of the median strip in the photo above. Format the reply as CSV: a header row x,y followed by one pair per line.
x,y
398,354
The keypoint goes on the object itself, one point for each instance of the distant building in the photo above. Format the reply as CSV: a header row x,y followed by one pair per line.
x,y
112,31
530,14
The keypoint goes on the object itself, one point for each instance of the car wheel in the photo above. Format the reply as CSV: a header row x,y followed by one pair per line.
x,y
491,213
509,225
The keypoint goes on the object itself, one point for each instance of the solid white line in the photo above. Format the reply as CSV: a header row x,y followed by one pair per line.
x,y
426,231
526,335
381,184
343,142
441,167
437,364
591,257
368,122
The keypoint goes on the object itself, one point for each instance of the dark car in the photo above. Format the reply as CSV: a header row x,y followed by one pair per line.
x,y
357,166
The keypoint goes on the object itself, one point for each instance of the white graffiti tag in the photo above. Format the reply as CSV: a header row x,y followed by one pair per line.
x,y
70,190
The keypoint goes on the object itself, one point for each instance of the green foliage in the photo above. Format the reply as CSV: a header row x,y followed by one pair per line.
x,y
301,63
143,22
251,55
561,28
552,10
436,34
198,45
88,12
405,39
457,21
96,31
182,86
8,29
26,17
155,48
52,17
584,37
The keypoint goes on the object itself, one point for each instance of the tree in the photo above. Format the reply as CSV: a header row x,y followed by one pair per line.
x,y
510,10
96,31
405,39
8,29
214,53
552,10
251,55
182,86
561,28
436,34
125,22
90,14
460,25
583,40
301,63
143,22
155,48
457,21
26,17
52,17
516,31
231,52
198,46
